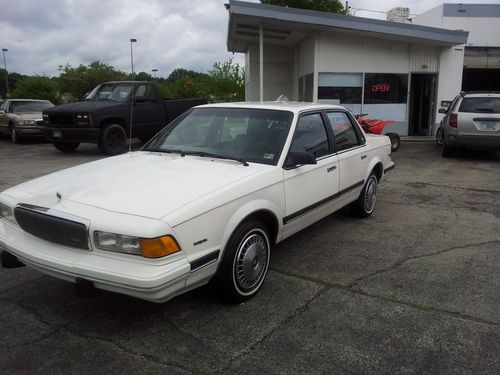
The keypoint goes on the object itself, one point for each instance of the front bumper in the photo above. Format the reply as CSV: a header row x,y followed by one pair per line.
x,y
150,280
29,131
87,135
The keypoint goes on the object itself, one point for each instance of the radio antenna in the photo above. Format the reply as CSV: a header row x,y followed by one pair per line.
x,y
131,96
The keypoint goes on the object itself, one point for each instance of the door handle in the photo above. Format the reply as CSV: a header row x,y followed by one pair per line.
x,y
331,168
363,157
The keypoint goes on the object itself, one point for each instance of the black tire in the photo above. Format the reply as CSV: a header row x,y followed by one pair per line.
x,y
113,140
66,146
245,263
395,141
14,137
365,204
446,152
439,136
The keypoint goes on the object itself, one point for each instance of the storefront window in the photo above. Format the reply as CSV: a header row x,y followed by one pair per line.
x,y
382,88
346,88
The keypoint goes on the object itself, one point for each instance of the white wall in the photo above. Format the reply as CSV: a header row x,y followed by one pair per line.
x,y
451,63
483,31
433,17
278,72
356,54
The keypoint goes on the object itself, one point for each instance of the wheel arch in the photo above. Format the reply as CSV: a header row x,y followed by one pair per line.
x,y
113,120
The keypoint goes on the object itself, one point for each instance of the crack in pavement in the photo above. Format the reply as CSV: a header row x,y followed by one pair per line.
x,y
23,284
403,261
302,307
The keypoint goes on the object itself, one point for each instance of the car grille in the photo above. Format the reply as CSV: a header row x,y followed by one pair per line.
x,y
39,122
60,119
53,228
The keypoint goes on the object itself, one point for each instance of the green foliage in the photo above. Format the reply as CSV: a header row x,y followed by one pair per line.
x,y
180,73
143,76
76,82
225,82
37,87
332,6
13,77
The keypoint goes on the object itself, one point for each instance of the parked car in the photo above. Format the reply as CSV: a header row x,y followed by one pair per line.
x,y
471,121
104,117
203,201
22,117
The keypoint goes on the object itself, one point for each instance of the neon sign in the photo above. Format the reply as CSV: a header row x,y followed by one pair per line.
x,y
381,87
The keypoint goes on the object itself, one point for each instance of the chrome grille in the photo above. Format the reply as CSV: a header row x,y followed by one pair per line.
x,y
53,228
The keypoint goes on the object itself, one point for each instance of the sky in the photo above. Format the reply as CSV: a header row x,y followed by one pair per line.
x,y
41,35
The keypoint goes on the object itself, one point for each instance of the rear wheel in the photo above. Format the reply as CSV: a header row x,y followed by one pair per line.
x,y
113,140
245,263
395,141
66,146
439,136
365,204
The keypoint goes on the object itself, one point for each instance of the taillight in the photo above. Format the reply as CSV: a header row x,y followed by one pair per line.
x,y
453,120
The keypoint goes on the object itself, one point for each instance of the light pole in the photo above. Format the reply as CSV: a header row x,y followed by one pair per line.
x,y
6,73
132,95
154,72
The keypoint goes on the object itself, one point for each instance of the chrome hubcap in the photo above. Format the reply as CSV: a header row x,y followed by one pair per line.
x,y
251,261
371,194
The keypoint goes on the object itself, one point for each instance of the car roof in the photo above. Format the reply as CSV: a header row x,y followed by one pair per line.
x,y
28,100
480,94
282,106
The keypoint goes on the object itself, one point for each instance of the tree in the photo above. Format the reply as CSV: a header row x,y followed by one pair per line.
x,y
37,87
143,76
13,77
78,81
332,6
225,82
179,73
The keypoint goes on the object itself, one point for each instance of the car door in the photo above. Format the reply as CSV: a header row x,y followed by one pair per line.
x,y
149,111
352,155
310,190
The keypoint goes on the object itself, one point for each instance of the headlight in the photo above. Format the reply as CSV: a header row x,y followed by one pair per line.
x,y
7,213
28,122
147,247
83,119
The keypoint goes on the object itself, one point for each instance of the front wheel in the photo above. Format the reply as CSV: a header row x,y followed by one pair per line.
x,y
66,146
245,263
113,140
365,204
14,137
395,141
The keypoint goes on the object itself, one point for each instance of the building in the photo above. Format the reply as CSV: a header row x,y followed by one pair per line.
x,y
390,70
481,70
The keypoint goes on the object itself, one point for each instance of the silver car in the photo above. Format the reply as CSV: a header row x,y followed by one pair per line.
x,y
22,117
471,121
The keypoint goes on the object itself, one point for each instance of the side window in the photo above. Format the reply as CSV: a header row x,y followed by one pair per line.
x,y
310,136
343,130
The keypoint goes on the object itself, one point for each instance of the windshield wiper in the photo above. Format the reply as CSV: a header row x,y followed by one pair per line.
x,y
211,155
165,150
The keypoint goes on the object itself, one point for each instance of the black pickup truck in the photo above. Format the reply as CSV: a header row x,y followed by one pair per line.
x,y
105,115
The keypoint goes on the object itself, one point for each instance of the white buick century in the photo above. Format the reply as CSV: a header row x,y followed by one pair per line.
x,y
203,201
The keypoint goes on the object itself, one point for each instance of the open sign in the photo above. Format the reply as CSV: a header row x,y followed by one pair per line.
x,y
381,87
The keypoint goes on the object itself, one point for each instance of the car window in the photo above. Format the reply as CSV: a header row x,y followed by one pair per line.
x,y
145,91
310,136
480,105
27,106
343,131
254,135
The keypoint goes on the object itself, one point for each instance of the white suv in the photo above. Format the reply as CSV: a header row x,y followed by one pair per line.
x,y
471,121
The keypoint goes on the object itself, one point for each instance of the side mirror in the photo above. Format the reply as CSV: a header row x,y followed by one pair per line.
x,y
2,112
295,159
442,110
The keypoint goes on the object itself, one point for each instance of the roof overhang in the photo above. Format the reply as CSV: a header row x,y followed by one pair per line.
x,y
287,26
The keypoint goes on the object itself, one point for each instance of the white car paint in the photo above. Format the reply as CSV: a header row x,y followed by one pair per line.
x,y
200,201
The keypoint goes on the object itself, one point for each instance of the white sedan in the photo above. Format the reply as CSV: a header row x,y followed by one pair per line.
x,y
203,201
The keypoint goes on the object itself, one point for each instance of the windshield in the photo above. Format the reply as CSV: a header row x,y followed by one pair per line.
x,y
253,135
118,92
26,106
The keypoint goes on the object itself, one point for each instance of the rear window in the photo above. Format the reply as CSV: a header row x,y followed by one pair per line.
x,y
480,105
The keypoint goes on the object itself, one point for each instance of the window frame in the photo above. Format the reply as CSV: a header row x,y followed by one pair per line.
x,y
357,131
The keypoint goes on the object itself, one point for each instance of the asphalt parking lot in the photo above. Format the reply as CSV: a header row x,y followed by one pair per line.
x,y
415,288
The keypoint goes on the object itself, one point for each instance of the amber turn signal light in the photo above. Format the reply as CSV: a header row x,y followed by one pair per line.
x,y
158,247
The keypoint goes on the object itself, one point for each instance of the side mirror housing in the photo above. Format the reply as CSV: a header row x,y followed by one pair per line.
x,y
442,110
295,159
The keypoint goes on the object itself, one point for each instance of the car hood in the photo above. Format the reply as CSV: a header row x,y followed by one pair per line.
x,y
139,183
29,115
81,107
